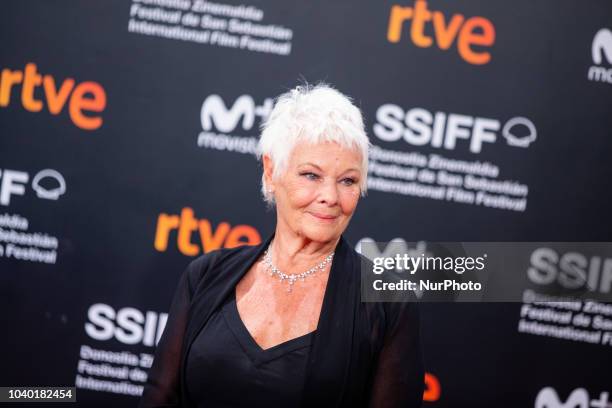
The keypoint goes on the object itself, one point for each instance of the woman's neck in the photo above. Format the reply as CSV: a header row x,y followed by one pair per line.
x,y
292,252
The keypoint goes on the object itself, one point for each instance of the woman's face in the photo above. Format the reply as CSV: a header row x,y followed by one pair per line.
x,y
319,191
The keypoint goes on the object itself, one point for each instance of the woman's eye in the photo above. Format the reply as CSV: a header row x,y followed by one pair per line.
x,y
348,181
310,176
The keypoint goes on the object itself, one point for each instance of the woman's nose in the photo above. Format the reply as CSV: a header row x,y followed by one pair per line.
x,y
329,193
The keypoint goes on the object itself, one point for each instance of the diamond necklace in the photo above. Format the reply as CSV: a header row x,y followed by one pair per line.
x,y
267,260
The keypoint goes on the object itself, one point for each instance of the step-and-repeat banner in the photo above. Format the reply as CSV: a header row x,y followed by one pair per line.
x,y
127,137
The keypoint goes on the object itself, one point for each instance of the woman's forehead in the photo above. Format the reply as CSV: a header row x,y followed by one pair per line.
x,y
323,152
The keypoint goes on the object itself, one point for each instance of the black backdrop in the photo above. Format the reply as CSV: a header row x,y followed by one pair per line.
x,y
106,198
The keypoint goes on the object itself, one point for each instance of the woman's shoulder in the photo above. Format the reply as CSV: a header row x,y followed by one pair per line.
x,y
210,265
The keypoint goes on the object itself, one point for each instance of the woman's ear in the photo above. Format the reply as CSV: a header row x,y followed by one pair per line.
x,y
268,167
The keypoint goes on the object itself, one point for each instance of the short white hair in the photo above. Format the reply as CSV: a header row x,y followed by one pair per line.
x,y
313,114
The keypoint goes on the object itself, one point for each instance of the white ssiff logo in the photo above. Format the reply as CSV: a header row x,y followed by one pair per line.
x,y
600,50
443,130
579,398
243,112
48,184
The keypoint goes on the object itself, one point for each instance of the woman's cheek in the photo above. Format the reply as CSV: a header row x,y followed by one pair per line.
x,y
352,193
302,193
350,198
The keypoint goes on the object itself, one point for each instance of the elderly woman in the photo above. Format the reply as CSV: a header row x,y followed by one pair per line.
x,y
281,324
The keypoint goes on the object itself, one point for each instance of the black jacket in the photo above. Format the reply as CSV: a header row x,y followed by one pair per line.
x,y
363,354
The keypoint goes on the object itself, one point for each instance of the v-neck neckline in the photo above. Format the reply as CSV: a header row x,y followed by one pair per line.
x,y
335,329
257,354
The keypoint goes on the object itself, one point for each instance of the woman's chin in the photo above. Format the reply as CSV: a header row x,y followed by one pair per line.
x,y
322,233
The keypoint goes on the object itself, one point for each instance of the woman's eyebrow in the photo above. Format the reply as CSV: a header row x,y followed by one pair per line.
x,y
351,169
318,167
310,164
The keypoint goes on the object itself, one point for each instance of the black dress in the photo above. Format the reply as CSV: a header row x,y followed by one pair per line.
x,y
362,354
227,368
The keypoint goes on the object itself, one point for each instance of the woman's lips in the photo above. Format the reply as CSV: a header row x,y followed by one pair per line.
x,y
324,217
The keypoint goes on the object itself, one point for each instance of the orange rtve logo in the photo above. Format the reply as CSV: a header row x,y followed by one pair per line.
x,y
473,31
223,236
85,96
